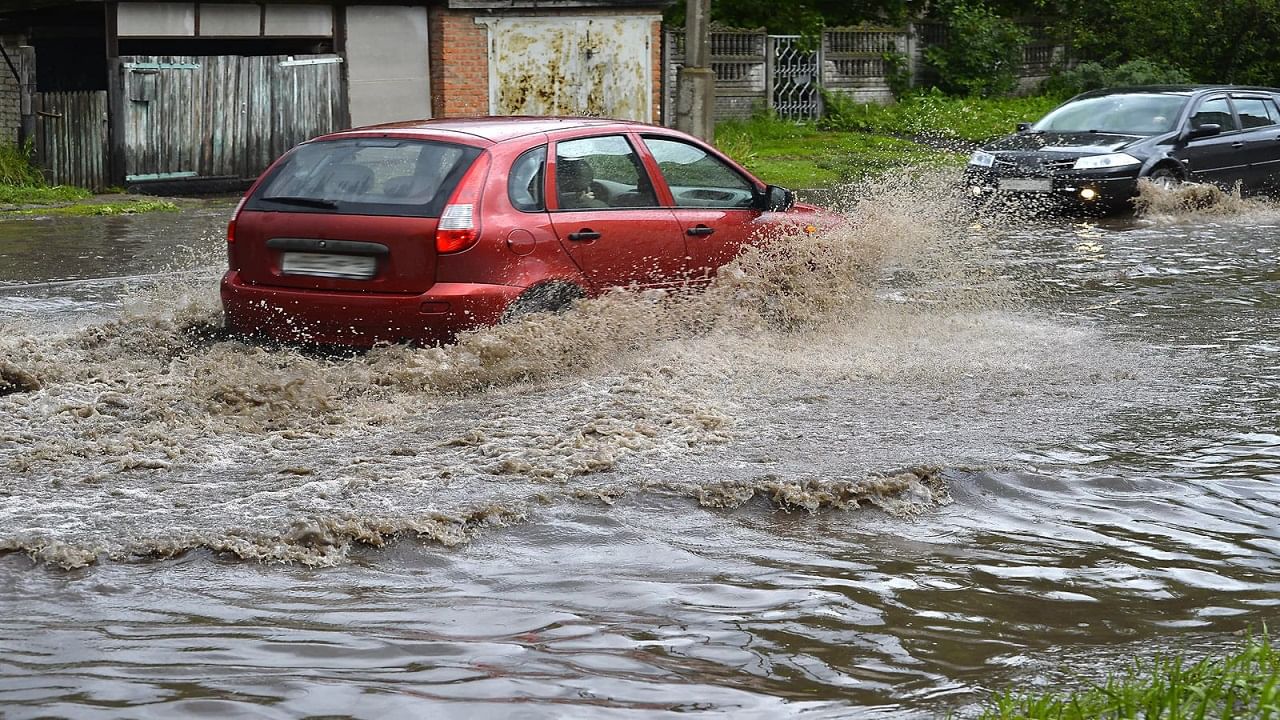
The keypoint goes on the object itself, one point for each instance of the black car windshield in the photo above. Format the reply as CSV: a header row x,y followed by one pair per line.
x,y
366,176
1130,114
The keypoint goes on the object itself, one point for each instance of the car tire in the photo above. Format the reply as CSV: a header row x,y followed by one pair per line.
x,y
1165,178
549,297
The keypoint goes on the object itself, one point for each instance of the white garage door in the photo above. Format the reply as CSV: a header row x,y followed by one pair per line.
x,y
599,66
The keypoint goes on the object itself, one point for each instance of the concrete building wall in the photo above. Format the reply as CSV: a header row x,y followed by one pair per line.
x,y
190,19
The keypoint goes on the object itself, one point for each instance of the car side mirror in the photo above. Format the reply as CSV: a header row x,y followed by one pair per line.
x,y
1205,130
1024,126
775,199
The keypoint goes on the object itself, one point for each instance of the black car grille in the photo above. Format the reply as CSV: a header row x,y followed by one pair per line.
x,y
1033,165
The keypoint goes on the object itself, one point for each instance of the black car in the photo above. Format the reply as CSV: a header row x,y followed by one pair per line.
x,y
1092,149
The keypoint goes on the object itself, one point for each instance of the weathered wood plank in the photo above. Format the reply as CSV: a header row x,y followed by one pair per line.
x,y
71,138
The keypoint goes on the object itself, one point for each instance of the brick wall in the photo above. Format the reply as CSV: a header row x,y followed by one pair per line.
x,y
460,76
10,110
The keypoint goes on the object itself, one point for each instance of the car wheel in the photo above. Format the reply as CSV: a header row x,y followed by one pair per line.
x,y
1164,178
551,297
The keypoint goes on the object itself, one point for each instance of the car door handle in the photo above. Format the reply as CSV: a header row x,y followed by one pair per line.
x,y
700,230
584,234
1237,144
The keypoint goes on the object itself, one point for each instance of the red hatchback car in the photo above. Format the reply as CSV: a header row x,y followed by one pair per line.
x,y
416,231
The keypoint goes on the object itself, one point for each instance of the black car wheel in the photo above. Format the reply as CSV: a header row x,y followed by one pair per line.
x,y
1164,178
551,297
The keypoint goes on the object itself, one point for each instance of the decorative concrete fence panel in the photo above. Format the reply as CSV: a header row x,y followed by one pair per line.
x,y
786,74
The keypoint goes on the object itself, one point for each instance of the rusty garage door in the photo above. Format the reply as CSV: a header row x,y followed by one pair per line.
x,y
600,66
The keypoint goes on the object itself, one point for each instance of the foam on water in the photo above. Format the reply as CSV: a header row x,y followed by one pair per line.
x,y
151,434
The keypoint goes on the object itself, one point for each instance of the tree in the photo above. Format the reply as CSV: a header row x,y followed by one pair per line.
x,y
983,52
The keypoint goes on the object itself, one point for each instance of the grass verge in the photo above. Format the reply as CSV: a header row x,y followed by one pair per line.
x,y
22,185
1245,684
938,118
41,194
802,155
859,140
124,207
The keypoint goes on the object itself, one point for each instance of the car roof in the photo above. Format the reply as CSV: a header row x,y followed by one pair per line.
x,y
494,129
1173,90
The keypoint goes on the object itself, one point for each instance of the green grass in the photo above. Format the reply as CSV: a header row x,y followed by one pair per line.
x,y
938,117
1245,684
41,194
801,155
859,140
125,207
22,185
16,168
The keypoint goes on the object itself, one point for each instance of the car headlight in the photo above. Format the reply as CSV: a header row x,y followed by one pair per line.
x,y
981,159
1108,161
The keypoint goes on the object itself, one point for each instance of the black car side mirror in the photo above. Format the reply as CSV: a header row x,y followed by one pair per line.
x,y
1205,130
1024,126
775,199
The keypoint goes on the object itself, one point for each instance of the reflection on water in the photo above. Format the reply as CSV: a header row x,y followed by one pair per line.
x,y
885,472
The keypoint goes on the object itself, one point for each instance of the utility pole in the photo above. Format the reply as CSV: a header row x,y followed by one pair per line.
x,y
696,82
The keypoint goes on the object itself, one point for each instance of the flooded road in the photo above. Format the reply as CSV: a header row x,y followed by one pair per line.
x,y
878,474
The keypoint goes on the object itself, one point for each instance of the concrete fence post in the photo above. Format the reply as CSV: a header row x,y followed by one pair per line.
x,y
696,83
912,44
770,77
26,94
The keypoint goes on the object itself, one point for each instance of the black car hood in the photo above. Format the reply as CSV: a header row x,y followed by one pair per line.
x,y
1078,143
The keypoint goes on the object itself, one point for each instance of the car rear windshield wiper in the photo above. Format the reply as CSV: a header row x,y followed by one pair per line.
x,y
304,201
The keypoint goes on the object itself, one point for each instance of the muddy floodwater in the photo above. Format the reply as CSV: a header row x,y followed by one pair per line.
x,y
880,473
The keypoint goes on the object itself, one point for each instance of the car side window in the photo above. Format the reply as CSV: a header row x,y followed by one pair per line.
x,y
524,183
697,178
1216,111
601,172
1256,112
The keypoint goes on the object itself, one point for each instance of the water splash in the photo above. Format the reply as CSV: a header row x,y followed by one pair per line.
x,y
152,433
1191,200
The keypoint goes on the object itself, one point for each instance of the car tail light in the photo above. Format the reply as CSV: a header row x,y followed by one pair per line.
x,y
235,215
459,226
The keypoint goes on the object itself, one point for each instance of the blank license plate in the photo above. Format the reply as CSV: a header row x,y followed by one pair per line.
x,y
1026,184
355,267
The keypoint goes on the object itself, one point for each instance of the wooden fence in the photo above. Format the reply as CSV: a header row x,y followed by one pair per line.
x,y
181,117
223,116
71,137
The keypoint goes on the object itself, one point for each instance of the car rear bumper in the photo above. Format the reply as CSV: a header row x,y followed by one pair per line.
x,y
361,319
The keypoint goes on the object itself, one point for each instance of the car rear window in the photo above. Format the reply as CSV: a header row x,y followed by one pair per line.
x,y
366,176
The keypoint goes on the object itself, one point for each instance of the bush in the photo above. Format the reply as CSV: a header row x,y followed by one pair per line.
x,y
897,73
983,53
1092,75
